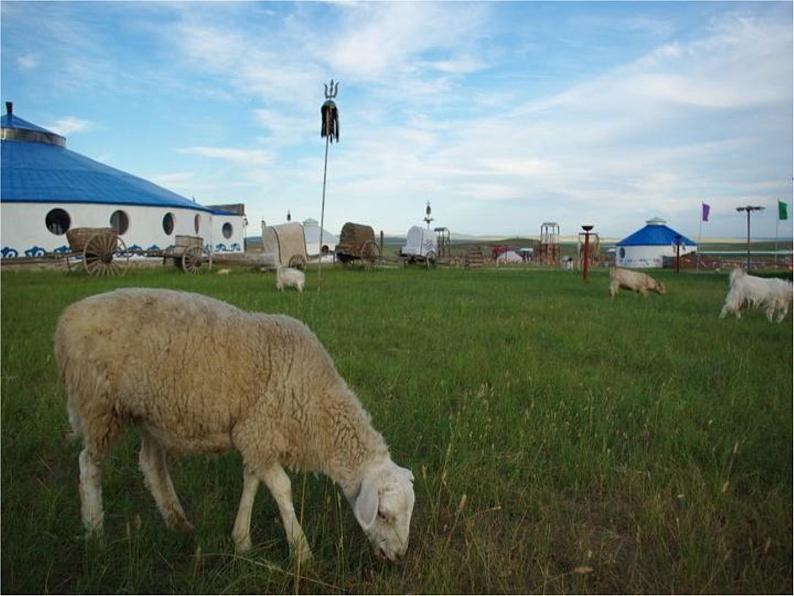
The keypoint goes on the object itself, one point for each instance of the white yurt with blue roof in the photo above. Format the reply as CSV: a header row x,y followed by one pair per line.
x,y
647,246
46,189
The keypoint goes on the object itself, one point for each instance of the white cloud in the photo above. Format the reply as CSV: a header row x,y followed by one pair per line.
x,y
27,62
175,179
243,157
70,125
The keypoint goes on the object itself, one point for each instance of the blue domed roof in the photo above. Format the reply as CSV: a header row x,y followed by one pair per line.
x,y
655,233
37,167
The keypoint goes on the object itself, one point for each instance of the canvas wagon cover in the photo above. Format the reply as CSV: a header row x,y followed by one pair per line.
x,y
419,242
283,241
353,237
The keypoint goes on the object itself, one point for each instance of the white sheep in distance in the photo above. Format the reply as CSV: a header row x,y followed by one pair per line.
x,y
633,280
771,294
195,374
289,277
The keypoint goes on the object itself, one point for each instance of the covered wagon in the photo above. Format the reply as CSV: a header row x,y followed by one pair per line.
x,y
284,245
421,245
357,241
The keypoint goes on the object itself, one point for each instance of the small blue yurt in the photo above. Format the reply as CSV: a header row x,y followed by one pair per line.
x,y
46,189
647,246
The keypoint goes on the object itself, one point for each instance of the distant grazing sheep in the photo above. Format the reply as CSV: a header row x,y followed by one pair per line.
x,y
633,280
195,374
224,271
771,294
287,276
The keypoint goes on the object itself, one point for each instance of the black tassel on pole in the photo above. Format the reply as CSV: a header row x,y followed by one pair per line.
x,y
330,114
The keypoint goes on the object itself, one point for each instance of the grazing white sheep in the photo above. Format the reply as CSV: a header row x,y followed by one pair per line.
x,y
287,276
194,374
224,271
633,280
771,294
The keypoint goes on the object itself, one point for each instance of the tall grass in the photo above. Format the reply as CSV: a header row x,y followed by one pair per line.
x,y
561,442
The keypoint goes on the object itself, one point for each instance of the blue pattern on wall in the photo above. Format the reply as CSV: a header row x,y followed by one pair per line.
x,y
9,253
35,251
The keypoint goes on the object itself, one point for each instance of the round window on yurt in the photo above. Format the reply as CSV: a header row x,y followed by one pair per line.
x,y
58,221
227,230
197,223
168,223
622,253
119,222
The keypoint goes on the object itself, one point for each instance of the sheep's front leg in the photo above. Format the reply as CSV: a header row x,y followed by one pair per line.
x,y
241,534
91,493
152,462
276,479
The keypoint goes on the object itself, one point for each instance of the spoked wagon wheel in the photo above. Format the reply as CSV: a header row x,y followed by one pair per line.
x,y
297,262
99,254
369,253
192,259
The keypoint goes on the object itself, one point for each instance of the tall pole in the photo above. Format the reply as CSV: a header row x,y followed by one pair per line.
x,y
586,229
677,254
777,226
700,248
748,240
329,130
322,217
749,209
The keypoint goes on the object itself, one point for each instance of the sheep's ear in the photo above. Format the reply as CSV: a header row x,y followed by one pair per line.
x,y
405,473
366,506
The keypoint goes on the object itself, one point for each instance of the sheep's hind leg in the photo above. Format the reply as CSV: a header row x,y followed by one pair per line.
x,y
157,479
91,493
276,479
241,534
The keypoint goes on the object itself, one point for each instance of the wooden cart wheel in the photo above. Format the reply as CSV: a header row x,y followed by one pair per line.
x,y
430,259
297,262
192,259
99,252
369,252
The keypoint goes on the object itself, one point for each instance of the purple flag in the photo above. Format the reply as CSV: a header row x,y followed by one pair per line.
x,y
706,209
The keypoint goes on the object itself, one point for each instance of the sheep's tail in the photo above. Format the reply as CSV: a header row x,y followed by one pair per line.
x,y
63,360
75,422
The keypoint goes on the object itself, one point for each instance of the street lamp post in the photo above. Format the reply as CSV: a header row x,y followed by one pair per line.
x,y
677,253
749,209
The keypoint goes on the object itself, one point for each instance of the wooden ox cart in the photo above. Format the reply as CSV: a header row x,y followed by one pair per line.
x,y
101,251
357,242
188,254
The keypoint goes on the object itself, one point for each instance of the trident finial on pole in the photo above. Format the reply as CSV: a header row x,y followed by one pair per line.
x,y
333,91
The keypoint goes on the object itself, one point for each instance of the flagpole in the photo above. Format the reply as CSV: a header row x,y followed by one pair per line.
x,y
777,226
700,233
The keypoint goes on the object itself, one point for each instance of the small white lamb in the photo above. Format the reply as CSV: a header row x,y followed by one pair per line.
x,y
635,281
287,276
194,374
771,294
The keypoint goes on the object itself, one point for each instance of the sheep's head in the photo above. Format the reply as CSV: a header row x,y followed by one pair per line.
x,y
384,506
660,288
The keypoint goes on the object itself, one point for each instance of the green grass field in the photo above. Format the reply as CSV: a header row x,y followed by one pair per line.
x,y
561,442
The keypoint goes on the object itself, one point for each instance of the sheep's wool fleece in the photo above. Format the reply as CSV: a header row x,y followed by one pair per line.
x,y
201,374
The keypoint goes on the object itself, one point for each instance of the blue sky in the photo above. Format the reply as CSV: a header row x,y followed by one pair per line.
x,y
503,115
